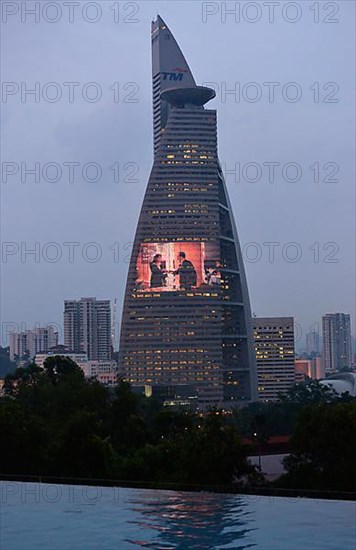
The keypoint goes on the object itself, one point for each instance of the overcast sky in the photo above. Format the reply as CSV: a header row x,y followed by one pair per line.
x,y
308,126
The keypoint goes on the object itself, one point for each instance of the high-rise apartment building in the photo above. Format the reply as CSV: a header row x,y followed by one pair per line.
x,y
274,346
336,341
24,345
313,342
186,318
87,327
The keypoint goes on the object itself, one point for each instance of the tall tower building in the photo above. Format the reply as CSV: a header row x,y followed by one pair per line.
x,y
87,327
312,342
336,341
186,324
275,356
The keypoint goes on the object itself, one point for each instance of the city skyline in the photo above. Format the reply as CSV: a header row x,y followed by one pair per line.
x,y
244,127
178,268
299,335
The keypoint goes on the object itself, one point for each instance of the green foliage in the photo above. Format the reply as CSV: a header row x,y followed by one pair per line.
x,y
6,366
280,417
25,439
81,449
310,392
55,422
210,453
323,448
58,368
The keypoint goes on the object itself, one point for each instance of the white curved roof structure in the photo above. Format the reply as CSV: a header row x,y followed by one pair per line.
x,y
341,383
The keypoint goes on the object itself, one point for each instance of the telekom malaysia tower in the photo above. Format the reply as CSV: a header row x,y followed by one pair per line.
x,y
186,329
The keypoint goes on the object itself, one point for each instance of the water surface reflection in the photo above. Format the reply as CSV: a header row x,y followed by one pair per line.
x,y
191,520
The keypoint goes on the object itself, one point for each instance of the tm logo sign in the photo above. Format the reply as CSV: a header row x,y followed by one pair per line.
x,y
177,77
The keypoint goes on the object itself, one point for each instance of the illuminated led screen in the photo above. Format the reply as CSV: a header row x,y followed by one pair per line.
x,y
177,266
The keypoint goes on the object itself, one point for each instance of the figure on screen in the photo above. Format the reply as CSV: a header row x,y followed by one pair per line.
x,y
158,275
213,274
186,272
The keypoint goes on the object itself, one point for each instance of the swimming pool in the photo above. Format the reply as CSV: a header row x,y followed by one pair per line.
x,y
66,517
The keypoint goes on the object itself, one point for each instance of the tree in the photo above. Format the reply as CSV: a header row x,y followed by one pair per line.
x,y
128,430
55,422
20,378
6,365
310,392
81,450
209,453
323,448
24,439
59,366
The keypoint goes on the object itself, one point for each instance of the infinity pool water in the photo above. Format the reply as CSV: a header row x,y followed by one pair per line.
x,y
38,516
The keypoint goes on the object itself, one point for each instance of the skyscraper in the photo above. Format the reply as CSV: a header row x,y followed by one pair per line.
x,y
186,319
336,341
274,345
87,327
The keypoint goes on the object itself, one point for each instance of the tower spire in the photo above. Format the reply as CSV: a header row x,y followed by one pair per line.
x,y
169,69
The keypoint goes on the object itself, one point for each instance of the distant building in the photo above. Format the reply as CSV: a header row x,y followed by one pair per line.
x,y
87,327
274,345
342,382
309,368
24,345
336,341
313,342
63,351
105,372
303,369
353,362
319,367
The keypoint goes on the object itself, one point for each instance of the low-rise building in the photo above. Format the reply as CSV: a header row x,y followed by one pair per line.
x,y
311,367
78,358
106,372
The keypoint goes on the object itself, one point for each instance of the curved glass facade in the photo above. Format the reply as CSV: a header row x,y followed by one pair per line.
x,y
186,327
